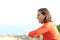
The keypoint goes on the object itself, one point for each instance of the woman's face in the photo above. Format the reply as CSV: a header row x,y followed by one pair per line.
x,y
40,17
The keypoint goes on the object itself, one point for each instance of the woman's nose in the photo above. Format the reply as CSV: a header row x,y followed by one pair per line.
x,y
37,17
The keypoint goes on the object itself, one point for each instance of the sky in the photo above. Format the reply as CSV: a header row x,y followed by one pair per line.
x,y
18,17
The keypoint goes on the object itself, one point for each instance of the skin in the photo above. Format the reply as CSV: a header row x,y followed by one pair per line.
x,y
40,17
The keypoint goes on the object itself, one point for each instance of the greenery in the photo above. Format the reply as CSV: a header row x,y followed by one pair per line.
x,y
58,27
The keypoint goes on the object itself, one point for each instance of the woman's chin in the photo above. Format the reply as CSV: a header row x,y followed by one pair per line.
x,y
41,22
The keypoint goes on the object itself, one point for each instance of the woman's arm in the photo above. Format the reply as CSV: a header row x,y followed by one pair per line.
x,y
38,32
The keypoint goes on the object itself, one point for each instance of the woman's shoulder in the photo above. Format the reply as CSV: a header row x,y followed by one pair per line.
x,y
49,24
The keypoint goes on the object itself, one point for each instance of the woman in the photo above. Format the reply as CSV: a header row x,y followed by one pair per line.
x,y
48,29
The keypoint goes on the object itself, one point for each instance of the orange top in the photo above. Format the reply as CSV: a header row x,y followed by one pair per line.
x,y
48,30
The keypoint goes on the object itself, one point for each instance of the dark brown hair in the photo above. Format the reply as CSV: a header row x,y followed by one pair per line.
x,y
47,14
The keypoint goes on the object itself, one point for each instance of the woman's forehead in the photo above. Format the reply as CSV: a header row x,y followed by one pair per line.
x,y
39,13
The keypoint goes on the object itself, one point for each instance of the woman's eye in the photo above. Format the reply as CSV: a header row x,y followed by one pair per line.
x,y
38,15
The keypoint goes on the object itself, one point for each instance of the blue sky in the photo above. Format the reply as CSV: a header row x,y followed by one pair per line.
x,y
19,16
15,29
